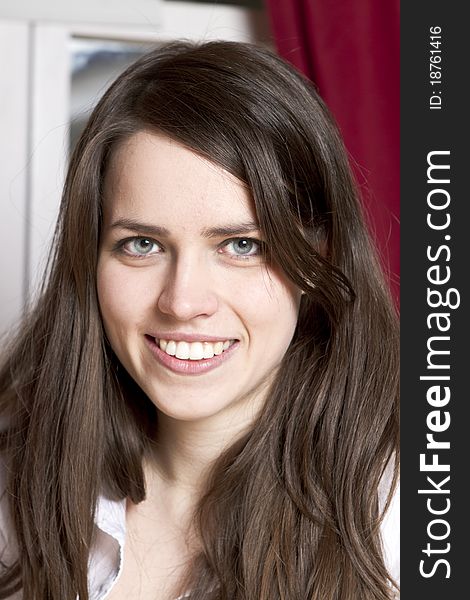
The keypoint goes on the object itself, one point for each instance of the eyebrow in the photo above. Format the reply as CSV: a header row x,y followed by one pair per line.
x,y
208,232
138,227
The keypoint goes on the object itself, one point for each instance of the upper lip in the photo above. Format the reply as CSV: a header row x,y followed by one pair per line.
x,y
189,337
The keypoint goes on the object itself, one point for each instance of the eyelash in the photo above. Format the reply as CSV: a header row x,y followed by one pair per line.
x,y
258,243
120,247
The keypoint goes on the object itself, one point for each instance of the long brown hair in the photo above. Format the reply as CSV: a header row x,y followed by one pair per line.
x,y
317,452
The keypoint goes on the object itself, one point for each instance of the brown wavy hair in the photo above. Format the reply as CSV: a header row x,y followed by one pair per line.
x,y
329,426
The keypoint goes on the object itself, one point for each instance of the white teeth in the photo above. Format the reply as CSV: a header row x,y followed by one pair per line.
x,y
196,351
193,350
171,348
208,350
182,350
218,348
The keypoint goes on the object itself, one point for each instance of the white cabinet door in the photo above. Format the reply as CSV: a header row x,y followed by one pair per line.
x,y
49,104
14,133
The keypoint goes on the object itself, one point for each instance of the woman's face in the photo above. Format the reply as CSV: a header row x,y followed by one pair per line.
x,y
190,307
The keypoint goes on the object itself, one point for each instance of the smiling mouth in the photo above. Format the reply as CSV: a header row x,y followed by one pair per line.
x,y
193,350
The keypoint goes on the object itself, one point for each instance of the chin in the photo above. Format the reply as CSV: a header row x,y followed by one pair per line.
x,y
187,409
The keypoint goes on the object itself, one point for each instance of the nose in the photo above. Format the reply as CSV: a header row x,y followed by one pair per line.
x,y
188,291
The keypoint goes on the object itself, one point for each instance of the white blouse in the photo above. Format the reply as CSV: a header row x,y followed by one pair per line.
x,y
106,556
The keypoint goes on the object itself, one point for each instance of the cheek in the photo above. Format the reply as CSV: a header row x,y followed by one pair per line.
x,y
272,309
120,298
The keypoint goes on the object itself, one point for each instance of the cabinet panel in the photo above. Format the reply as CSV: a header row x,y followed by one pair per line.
x,y
14,86
50,98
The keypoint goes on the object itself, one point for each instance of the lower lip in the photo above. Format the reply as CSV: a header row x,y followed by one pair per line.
x,y
189,367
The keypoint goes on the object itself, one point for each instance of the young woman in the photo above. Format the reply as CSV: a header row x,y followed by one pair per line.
x,y
203,403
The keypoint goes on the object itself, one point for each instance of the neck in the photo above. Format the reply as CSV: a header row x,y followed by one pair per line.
x,y
177,471
186,450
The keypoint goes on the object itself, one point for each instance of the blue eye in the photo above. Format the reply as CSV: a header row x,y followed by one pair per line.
x,y
243,247
140,246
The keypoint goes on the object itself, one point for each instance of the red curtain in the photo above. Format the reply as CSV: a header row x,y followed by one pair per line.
x,y
350,49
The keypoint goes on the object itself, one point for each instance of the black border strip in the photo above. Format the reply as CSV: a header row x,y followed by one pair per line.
x,y
434,300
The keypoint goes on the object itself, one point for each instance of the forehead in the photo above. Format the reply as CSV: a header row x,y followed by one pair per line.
x,y
155,178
